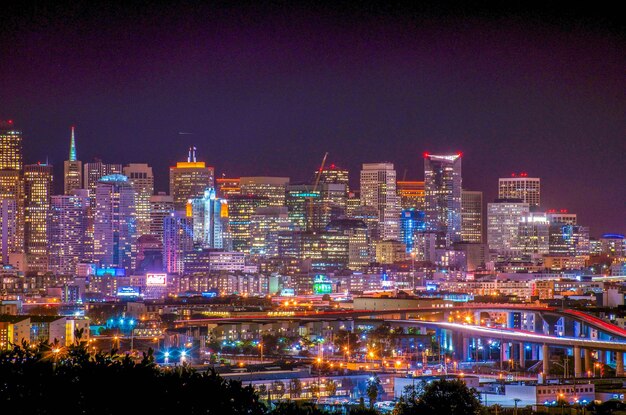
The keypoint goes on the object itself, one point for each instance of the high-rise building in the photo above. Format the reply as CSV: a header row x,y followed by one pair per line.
x,y
568,240
72,169
266,225
442,200
210,220
115,223
142,180
161,206
533,234
68,223
411,194
359,251
11,157
11,190
305,207
240,211
378,189
411,222
177,241
503,218
227,187
37,192
471,216
561,216
190,179
94,171
9,236
520,186
334,175
271,187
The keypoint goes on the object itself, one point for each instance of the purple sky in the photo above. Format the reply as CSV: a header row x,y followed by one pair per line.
x,y
268,91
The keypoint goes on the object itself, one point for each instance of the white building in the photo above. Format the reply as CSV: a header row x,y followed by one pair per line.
x,y
520,186
378,189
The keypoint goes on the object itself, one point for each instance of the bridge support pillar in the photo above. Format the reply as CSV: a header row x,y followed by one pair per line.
x,y
546,360
588,362
577,363
619,364
522,356
464,355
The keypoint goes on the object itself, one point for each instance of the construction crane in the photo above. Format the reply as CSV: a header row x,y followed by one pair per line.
x,y
316,183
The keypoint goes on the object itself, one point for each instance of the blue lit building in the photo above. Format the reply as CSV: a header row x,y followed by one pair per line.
x,y
411,221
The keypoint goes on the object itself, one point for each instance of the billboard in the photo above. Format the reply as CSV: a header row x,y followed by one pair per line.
x,y
128,292
156,280
322,285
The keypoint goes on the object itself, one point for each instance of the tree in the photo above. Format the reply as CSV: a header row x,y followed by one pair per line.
x,y
295,388
372,390
36,381
277,388
296,408
331,387
346,341
451,397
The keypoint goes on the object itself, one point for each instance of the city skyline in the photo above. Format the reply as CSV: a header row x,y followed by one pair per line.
x,y
515,90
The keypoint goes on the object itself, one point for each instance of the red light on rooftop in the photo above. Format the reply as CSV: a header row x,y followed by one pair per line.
x,y
513,174
563,210
551,210
10,121
460,154
426,154
524,174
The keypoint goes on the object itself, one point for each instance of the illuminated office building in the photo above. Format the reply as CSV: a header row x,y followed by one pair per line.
x,y
471,216
9,237
142,180
305,207
68,223
115,222
37,192
561,216
359,250
11,157
442,200
503,218
190,179
177,241
210,220
72,169
334,175
227,187
11,189
411,194
266,224
240,211
520,186
161,206
411,222
273,188
378,189
533,234
568,240
94,171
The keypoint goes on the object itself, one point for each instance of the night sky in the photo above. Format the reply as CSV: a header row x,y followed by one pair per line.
x,y
266,90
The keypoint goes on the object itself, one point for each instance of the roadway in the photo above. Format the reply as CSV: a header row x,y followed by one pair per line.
x,y
520,335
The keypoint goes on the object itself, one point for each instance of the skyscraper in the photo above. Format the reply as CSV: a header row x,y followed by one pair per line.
x,y
115,223
503,218
37,191
96,170
411,194
142,180
271,187
442,200
177,240
10,147
378,189
240,210
9,239
72,169
161,206
471,216
210,220
190,179
68,223
11,189
520,186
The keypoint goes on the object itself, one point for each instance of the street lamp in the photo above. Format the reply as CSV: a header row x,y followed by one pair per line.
x,y
595,366
562,400
413,269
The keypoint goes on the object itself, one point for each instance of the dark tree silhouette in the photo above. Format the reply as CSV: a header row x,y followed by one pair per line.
x,y
51,379
450,397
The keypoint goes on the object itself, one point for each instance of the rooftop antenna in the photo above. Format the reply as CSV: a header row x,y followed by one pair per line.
x,y
72,146
192,154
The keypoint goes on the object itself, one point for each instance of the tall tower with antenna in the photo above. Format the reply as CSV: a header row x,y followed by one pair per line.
x,y
72,168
